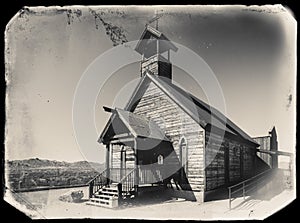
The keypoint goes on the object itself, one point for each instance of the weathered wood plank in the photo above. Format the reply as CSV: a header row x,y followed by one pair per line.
x,y
176,123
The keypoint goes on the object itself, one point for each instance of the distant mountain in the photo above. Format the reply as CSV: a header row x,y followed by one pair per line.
x,y
44,163
35,174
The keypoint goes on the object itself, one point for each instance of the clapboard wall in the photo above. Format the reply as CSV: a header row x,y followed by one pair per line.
x,y
115,156
155,104
227,161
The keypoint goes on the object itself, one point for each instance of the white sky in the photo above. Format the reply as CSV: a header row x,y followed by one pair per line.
x,y
252,54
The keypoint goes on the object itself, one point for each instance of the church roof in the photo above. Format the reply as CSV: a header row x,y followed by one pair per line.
x,y
204,114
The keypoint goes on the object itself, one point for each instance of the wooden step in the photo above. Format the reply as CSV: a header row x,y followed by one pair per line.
x,y
110,189
112,203
107,197
105,205
108,193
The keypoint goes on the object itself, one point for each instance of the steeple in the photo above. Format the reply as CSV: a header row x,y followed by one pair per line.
x,y
155,49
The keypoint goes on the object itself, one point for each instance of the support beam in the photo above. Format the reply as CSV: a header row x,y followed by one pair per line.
x,y
123,135
278,153
111,156
107,161
123,161
120,141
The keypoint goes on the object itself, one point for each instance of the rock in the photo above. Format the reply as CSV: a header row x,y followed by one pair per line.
x,y
72,196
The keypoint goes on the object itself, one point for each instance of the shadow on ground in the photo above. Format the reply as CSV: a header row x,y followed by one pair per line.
x,y
271,186
146,199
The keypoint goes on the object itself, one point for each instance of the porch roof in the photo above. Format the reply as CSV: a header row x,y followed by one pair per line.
x,y
135,125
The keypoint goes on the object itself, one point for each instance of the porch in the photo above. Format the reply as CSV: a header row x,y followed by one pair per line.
x,y
139,157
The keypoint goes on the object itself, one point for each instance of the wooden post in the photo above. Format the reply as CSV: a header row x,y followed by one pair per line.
x,y
120,191
122,163
107,162
169,55
91,191
229,197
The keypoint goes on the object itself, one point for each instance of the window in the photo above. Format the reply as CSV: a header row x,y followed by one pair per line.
x,y
183,150
160,160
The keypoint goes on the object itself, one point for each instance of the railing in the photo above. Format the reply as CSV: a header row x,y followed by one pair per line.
x,y
98,182
243,187
127,183
114,175
147,176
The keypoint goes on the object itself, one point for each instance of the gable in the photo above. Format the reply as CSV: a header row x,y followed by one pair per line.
x,y
177,125
124,122
199,111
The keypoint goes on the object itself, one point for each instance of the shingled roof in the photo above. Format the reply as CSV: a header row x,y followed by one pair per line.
x,y
202,113
123,121
141,126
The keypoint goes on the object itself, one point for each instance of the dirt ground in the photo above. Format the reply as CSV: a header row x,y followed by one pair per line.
x,y
47,205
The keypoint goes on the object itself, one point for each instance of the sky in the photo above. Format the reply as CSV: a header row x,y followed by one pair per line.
x,y
50,51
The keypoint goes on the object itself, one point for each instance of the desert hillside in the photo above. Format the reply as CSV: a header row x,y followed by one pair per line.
x,y
32,174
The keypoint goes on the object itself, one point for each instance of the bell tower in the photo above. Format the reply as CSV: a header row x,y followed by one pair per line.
x,y
155,49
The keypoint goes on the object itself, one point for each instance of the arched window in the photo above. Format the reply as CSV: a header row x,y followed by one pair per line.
x,y
183,153
160,160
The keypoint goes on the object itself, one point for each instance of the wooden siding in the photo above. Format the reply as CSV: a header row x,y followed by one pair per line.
x,y
264,143
176,124
116,157
234,162
159,66
249,166
238,156
215,162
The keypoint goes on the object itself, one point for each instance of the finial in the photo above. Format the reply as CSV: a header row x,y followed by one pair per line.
x,y
155,18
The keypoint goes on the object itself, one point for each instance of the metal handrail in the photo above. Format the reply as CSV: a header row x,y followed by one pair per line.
x,y
249,179
244,185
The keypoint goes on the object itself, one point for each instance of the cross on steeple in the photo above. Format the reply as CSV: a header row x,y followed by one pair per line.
x,y
156,17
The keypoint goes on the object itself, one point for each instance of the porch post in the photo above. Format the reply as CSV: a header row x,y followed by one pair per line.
x,y
136,183
107,162
122,162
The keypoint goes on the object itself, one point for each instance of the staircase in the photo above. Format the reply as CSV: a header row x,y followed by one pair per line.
x,y
107,196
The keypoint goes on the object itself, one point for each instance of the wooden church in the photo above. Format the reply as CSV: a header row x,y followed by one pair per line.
x,y
165,140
